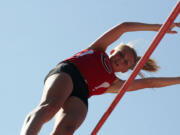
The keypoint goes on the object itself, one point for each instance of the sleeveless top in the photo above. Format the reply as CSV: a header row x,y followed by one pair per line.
x,y
96,69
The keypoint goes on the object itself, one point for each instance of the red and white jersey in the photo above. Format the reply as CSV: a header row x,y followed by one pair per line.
x,y
96,69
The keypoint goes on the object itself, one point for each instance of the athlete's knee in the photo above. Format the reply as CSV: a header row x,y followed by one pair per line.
x,y
65,129
69,128
46,110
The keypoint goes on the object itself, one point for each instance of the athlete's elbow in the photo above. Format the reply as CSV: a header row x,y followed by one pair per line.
x,y
124,27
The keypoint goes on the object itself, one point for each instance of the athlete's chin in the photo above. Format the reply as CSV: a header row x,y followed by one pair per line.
x,y
122,70
117,70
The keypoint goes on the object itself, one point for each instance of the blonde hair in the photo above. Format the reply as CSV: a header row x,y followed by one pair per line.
x,y
150,65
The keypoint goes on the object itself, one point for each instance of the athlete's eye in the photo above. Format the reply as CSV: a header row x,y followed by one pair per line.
x,y
126,62
121,54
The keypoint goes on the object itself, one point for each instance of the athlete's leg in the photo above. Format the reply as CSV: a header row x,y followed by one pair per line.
x,y
70,117
57,89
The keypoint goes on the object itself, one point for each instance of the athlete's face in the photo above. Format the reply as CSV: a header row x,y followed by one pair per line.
x,y
122,60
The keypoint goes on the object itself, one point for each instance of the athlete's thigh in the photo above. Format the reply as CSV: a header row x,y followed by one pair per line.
x,y
73,114
57,88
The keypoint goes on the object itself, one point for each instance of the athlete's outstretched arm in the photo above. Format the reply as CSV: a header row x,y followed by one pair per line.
x,y
113,34
144,83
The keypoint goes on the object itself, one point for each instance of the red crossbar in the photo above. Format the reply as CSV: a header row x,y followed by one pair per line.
x,y
155,42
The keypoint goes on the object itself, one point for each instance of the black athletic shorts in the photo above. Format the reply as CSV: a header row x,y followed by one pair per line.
x,y
80,88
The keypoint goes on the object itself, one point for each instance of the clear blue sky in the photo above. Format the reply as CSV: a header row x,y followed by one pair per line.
x,y
35,35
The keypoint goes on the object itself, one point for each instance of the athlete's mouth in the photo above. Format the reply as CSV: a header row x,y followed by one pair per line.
x,y
116,63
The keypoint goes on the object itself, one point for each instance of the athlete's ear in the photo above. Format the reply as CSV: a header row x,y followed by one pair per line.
x,y
112,51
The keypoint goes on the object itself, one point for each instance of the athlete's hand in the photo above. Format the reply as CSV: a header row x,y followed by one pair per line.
x,y
173,26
